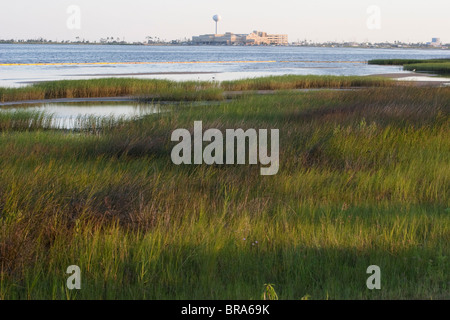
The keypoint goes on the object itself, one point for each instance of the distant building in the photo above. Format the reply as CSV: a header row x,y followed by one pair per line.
x,y
254,38
435,42
220,39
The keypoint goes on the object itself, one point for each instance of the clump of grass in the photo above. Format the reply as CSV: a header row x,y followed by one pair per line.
x,y
23,120
269,292
440,68
305,82
23,93
107,87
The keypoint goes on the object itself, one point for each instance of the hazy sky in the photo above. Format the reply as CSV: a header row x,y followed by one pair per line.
x,y
318,20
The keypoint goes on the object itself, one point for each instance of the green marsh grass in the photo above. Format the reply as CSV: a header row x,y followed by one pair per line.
x,y
107,87
439,66
149,89
305,82
23,120
364,179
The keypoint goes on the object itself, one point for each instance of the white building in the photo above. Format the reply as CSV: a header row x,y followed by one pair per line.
x,y
254,38
435,42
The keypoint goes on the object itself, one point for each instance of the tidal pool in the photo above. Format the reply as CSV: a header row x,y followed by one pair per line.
x,y
76,115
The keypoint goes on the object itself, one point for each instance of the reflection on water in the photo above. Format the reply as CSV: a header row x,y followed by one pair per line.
x,y
75,115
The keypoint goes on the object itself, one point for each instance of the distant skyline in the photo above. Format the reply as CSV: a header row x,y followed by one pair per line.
x,y
319,20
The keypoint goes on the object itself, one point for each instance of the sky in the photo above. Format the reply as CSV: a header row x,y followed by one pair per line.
x,y
318,20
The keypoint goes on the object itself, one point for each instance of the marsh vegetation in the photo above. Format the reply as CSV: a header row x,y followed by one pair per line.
x,y
363,180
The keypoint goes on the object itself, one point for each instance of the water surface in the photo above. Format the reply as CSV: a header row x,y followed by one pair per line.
x,y
73,115
169,62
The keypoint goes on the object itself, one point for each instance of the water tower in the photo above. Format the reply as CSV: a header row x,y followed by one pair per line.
x,y
217,18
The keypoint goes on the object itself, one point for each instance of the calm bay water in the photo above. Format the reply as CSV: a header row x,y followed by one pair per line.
x,y
283,60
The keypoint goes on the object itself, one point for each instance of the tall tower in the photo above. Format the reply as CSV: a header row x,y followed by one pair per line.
x,y
217,18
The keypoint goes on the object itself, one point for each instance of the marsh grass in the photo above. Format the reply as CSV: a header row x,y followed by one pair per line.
x,y
305,82
364,179
23,120
439,66
148,89
107,87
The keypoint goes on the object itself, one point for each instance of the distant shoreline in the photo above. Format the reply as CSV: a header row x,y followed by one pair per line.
x,y
187,44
